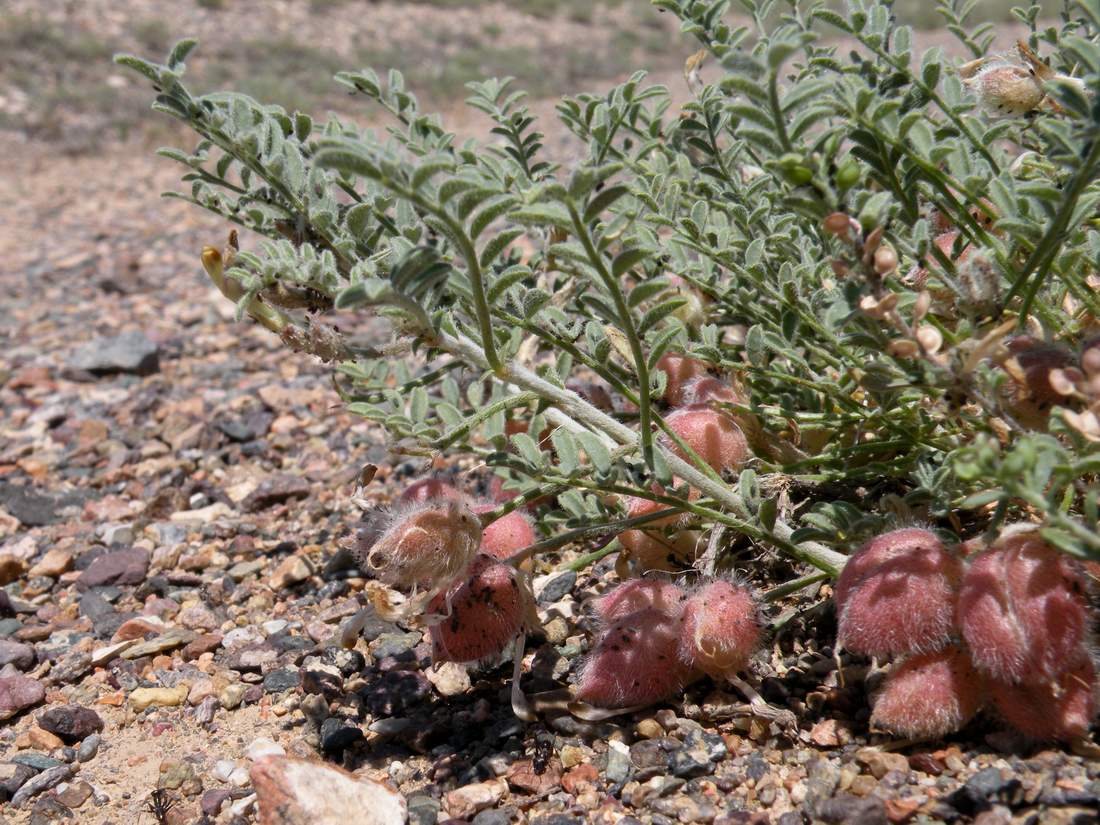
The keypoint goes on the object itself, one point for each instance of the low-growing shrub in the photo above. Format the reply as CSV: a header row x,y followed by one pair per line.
x,y
840,289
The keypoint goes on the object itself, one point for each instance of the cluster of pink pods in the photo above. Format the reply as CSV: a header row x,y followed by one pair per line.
x,y
434,542
1007,629
656,637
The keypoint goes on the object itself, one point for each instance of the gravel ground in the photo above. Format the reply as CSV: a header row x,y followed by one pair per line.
x,y
174,491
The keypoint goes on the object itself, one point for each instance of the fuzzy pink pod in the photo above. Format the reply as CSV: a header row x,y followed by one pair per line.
x,y
640,594
930,695
634,662
1022,609
428,488
706,389
487,611
507,535
1059,709
721,628
896,595
425,544
712,434
680,369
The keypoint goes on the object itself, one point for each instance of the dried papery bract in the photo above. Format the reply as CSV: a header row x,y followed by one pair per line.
x,y
896,595
680,369
653,550
713,435
1022,608
426,489
424,546
721,628
486,612
930,695
1030,393
640,594
1060,709
634,662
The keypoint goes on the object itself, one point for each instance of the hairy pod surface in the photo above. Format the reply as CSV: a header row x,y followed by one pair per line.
x,y
896,595
680,369
507,535
487,611
1023,609
426,544
1061,708
427,489
712,434
640,594
721,628
930,695
634,662
652,550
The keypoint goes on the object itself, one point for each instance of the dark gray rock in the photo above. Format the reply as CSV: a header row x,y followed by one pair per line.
x,y
338,734
130,352
36,761
36,508
70,723
558,587
89,748
492,818
423,810
283,679
395,644
275,490
845,809
49,778
14,782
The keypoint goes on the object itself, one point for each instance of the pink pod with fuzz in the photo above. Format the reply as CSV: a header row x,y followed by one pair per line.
x,y
634,662
896,595
680,370
634,595
428,488
721,628
1023,609
713,435
506,536
425,544
487,611
706,389
1059,709
930,695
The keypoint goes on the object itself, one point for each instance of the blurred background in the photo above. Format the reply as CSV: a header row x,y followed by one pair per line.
x,y
57,83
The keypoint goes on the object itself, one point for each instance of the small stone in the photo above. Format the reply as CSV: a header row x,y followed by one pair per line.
x,y
464,802
275,489
117,567
492,818
879,763
522,776
845,809
142,698
89,748
16,654
17,693
49,778
211,801
11,568
262,746
71,722
223,769
557,588
12,777
43,740
283,679
56,561
170,640
75,795
394,644
292,570
338,734
37,761
231,695
35,508
423,810
174,773
619,766
204,643
131,352
449,678
649,729
299,792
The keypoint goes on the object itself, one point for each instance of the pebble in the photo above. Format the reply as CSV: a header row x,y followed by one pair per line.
x,y
42,782
17,693
17,654
464,802
557,588
303,792
89,748
115,568
338,734
142,698
231,695
74,794
170,640
211,801
130,352
449,678
53,563
71,723
262,746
